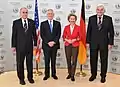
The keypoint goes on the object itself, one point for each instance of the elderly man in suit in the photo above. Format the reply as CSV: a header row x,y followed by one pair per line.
x,y
100,37
23,36
50,34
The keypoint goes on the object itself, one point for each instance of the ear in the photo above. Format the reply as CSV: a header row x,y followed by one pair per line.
x,y
104,10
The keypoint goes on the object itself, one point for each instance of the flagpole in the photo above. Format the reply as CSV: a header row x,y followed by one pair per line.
x,y
81,73
37,50
37,72
82,52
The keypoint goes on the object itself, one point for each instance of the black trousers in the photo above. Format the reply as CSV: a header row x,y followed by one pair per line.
x,y
71,57
103,60
50,55
20,57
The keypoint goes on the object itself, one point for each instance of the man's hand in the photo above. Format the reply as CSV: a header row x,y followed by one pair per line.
x,y
13,49
35,47
88,46
109,47
51,43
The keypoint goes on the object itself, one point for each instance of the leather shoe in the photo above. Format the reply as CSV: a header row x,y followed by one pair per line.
x,y
31,81
68,77
22,82
55,77
72,78
46,77
92,78
103,80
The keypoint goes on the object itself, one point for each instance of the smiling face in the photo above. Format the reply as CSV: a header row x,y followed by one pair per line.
x,y
50,14
24,13
72,19
100,10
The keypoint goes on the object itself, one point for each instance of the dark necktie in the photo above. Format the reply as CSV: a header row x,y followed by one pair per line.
x,y
50,26
99,23
25,26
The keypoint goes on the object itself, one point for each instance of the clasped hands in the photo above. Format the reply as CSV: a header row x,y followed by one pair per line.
x,y
51,43
70,41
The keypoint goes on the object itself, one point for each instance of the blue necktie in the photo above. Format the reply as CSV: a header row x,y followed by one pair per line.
x,y
50,26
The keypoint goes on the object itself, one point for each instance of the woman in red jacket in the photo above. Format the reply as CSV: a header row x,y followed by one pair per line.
x,y
71,37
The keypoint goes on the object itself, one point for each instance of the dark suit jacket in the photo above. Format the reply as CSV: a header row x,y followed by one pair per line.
x,y
47,36
101,37
21,40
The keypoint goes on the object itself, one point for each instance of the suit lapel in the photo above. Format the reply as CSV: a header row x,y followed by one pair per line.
x,y
21,24
28,23
53,26
48,26
69,30
96,25
103,21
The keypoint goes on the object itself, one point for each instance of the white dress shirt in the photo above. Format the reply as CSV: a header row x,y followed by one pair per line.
x,y
24,22
51,22
71,29
98,19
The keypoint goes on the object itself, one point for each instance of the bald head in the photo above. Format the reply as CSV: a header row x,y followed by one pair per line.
x,y
24,13
100,10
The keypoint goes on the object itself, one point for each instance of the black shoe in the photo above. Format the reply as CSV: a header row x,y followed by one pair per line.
x,y
55,77
72,78
92,78
68,77
46,77
22,82
31,81
103,80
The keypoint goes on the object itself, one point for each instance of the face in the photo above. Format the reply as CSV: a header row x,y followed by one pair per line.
x,y
72,20
50,14
24,13
100,11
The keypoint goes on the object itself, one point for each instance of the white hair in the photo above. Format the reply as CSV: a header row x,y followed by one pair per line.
x,y
101,5
50,10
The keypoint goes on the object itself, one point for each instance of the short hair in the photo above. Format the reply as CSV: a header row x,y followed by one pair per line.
x,y
100,5
23,8
50,10
72,15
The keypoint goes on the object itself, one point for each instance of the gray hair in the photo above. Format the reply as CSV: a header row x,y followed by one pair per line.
x,y
50,10
23,8
100,5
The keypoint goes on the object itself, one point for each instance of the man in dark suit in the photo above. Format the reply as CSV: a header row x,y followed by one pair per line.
x,y
23,35
50,34
100,37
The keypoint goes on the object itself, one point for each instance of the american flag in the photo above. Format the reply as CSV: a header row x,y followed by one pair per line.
x,y
36,19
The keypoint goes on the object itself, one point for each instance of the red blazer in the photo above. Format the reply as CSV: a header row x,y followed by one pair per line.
x,y
75,35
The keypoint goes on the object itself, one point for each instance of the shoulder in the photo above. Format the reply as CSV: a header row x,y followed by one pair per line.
x,y
44,22
31,20
108,17
77,26
57,22
67,26
93,16
16,21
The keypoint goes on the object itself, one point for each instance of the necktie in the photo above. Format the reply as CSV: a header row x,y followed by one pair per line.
x,y
25,25
99,23
51,26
